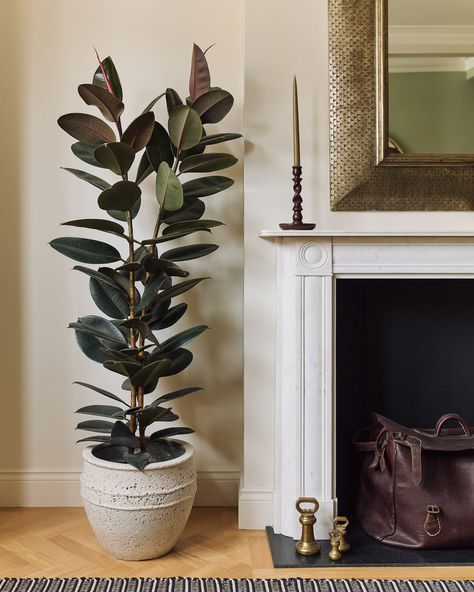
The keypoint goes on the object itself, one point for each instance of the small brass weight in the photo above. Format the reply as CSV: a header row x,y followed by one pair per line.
x,y
341,524
307,545
335,537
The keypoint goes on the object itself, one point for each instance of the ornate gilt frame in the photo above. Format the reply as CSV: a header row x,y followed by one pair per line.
x,y
363,176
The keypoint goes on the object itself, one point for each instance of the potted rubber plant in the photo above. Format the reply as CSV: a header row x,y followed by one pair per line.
x,y
138,483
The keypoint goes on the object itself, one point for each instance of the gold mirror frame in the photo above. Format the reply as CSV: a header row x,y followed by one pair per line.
x,y
363,175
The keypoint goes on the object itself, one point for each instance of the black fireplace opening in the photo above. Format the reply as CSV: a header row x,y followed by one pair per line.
x,y
404,349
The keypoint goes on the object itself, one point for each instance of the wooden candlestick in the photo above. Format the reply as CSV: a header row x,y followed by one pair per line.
x,y
297,223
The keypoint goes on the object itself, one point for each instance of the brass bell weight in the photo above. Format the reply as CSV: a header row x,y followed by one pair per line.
x,y
341,524
307,545
335,537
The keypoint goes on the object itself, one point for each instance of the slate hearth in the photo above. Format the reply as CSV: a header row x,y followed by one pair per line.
x,y
365,552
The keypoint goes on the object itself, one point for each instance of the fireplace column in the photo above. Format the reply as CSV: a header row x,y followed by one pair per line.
x,y
304,401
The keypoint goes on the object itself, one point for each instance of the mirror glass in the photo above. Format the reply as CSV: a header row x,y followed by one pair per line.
x,y
431,76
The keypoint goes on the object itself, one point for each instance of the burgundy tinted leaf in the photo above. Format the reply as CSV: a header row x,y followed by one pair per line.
x,y
86,128
200,79
108,104
138,133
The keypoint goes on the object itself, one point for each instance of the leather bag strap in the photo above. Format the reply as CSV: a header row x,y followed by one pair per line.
x,y
451,416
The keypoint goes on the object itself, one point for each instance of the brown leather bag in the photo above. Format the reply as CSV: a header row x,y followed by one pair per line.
x,y
417,486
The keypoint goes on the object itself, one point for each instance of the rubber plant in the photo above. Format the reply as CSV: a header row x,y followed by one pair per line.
x,y
134,287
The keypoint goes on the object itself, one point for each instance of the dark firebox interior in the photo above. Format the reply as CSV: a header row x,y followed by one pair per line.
x,y
404,349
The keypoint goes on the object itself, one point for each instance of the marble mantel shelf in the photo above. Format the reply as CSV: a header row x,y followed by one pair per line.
x,y
277,233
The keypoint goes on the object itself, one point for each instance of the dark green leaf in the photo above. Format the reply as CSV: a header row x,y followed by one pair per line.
x,y
101,410
119,280
180,359
92,179
141,327
122,436
178,227
101,391
177,394
144,169
189,252
182,338
172,100
101,277
112,77
135,266
94,439
85,152
139,460
86,250
206,163
120,197
150,372
185,127
108,104
218,138
96,425
116,156
125,368
199,79
170,317
100,328
153,264
169,191
204,186
150,105
86,128
97,224
111,301
191,210
122,216
168,432
151,289
168,237
163,450
176,290
139,132
159,148
149,415
214,105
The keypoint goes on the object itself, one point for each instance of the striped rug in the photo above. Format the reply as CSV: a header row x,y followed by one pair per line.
x,y
227,585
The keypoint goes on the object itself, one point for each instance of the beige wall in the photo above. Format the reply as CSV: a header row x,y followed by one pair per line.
x,y
47,50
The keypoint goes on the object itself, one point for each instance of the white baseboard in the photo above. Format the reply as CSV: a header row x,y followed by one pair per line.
x,y
50,489
255,509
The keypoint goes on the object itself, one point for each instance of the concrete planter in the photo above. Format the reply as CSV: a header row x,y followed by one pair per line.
x,y
138,514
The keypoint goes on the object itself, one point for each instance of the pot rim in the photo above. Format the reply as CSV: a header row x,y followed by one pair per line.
x,y
166,464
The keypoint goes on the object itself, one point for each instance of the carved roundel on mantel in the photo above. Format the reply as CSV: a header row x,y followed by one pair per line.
x,y
313,255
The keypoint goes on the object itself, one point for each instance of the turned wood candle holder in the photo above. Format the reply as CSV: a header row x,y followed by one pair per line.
x,y
297,223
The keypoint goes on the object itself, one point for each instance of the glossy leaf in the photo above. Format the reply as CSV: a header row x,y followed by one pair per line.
x,y
169,191
177,394
121,435
185,127
120,197
111,301
152,103
85,250
182,338
101,391
139,132
204,186
170,236
153,264
151,290
168,432
189,252
92,179
144,169
149,415
207,163
96,425
199,79
214,105
180,359
97,224
191,225
170,317
150,372
85,152
191,210
96,438
142,328
122,367
176,290
219,138
102,277
112,75
101,410
122,216
116,156
139,460
100,328
86,128
158,148
162,450
108,104
172,100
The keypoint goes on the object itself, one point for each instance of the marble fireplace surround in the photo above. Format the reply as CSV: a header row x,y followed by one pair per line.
x,y
307,266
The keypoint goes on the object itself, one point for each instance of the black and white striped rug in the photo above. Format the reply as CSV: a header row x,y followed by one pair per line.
x,y
227,585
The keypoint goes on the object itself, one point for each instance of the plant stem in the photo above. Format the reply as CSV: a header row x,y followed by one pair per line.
x,y
133,390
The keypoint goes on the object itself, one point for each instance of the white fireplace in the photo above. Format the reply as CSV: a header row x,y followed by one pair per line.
x,y
307,266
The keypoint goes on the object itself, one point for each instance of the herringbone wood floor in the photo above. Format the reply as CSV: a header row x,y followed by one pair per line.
x,y
57,542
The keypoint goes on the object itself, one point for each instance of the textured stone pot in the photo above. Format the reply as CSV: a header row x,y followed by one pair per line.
x,y
138,514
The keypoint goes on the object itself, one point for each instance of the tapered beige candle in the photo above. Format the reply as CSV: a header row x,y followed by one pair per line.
x,y
296,125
